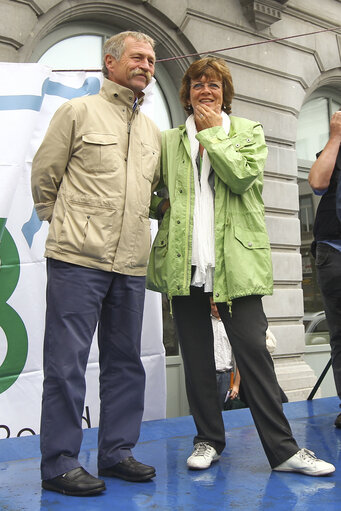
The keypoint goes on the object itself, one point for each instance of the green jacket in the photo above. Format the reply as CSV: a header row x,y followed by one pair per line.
x,y
242,248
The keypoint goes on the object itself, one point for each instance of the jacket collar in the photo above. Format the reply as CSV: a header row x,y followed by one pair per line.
x,y
117,94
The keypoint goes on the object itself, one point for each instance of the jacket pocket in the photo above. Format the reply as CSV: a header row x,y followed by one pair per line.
x,y
99,151
157,267
252,240
322,255
248,263
141,250
149,159
89,232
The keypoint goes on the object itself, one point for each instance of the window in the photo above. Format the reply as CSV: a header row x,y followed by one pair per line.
x,y
316,329
306,214
313,128
77,52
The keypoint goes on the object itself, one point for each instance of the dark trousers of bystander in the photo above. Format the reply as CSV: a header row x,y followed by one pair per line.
x,y
328,266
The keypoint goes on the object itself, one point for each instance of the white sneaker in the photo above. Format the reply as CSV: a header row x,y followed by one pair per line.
x,y
202,456
305,461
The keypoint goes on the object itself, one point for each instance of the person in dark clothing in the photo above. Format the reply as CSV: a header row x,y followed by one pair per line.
x,y
326,247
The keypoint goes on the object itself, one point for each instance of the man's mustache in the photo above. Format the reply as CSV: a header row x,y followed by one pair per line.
x,y
147,74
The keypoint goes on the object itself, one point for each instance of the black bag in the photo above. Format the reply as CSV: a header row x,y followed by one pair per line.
x,y
234,404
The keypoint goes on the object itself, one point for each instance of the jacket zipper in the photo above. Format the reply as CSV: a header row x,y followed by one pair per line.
x,y
186,282
229,301
131,118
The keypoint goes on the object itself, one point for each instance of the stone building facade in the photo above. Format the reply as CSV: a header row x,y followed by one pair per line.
x,y
272,82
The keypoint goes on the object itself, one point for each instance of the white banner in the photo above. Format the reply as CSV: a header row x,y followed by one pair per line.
x,y
29,95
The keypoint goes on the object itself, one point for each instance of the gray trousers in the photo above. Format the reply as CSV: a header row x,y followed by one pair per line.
x,y
246,329
328,266
78,299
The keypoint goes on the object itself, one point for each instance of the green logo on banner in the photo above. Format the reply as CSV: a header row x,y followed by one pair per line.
x,y
10,321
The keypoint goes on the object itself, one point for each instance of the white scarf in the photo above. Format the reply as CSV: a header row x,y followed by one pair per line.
x,y
203,253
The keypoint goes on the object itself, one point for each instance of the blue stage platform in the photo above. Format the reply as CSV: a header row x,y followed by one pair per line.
x,y
241,480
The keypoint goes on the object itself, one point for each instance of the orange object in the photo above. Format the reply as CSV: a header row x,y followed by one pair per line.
x,y
231,379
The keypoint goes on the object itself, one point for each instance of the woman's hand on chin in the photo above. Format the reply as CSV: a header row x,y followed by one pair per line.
x,y
205,117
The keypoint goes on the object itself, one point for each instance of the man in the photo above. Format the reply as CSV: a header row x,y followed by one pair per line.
x,y
323,178
92,179
224,360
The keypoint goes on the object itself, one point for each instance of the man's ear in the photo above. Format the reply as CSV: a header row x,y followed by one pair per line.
x,y
110,61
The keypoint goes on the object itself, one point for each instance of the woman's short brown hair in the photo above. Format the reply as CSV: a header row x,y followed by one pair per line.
x,y
210,67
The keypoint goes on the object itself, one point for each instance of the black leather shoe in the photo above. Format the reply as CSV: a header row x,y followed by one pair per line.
x,y
77,482
338,421
130,470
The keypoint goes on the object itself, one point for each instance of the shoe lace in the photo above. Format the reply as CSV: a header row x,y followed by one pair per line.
x,y
201,449
308,456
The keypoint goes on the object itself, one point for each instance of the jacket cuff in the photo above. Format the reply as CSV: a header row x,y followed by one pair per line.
x,y
44,211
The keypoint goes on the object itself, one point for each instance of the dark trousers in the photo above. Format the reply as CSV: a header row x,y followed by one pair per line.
x,y
78,299
223,384
246,329
328,266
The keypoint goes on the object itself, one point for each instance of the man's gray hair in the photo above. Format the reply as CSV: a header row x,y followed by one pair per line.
x,y
115,45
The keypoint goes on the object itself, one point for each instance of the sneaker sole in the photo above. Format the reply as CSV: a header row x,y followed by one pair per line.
x,y
204,468
306,473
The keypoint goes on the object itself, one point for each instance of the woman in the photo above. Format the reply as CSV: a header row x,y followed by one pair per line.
x,y
213,241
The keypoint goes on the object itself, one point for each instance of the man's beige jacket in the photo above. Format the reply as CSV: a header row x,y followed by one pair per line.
x,y
92,179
